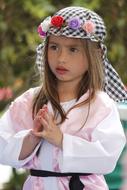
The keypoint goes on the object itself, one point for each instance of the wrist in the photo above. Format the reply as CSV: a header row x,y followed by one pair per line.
x,y
34,139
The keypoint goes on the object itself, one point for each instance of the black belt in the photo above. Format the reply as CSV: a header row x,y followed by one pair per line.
x,y
74,183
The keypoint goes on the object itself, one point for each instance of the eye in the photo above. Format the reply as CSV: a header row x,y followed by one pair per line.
x,y
53,47
74,50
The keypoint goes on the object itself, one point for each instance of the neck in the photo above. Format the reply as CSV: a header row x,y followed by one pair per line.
x,y
67,91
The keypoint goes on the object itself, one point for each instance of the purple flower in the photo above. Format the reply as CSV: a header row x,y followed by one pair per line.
x,y
74,23
42,34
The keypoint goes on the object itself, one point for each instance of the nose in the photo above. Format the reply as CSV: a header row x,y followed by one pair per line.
x,y
62,56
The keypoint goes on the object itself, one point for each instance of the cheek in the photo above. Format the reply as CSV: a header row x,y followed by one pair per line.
x,y
51,57
83,64
51,62
83,69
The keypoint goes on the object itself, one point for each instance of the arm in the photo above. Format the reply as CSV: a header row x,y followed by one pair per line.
x,y
98,156
11,143
15,127
30,142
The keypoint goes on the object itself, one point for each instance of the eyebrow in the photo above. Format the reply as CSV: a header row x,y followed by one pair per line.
x,y
51,42
69,45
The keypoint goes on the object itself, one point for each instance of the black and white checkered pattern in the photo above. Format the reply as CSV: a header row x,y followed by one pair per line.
x,y
113,84
39,57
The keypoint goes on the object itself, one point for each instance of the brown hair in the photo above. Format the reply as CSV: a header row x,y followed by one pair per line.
x,y
92,80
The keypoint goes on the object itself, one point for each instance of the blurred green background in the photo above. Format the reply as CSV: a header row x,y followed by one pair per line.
x,y
19,39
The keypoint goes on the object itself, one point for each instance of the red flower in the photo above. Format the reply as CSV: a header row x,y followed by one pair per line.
x,y
57,21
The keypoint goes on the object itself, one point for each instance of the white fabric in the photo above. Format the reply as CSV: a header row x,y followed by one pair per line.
x,y
11,143
46,155
79,153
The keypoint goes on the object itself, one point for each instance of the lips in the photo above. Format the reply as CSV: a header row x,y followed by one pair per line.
x,y
61,70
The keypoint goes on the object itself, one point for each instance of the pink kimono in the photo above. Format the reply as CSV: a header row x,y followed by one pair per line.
x,y
93,149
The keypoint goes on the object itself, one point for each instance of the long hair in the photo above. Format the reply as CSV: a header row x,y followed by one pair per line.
x,y
92,80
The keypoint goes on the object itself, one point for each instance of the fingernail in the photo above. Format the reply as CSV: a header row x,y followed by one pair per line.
x,y
46,109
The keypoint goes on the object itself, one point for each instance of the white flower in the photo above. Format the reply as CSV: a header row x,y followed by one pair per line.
x,y
46,24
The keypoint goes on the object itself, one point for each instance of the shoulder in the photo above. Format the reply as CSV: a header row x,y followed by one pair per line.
x,y
103,99
103,104
20,110
28,95
25,99
102,109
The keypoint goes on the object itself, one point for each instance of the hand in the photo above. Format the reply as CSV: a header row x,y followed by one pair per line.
x,y
37,120
48,130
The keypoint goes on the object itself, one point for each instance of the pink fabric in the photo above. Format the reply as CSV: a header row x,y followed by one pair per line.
x,y
70,126
22,107
94,182
33,183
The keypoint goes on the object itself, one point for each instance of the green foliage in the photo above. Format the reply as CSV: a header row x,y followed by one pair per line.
x,y
90,4
16,181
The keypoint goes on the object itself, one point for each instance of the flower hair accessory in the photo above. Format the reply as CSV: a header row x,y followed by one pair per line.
x,y
43,27
73,23
89,27
57,21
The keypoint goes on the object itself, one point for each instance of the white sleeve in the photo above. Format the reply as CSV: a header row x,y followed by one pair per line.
x,y
11,143
98,156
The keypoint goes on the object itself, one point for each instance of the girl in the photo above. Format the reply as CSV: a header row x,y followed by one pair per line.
x,y
68,131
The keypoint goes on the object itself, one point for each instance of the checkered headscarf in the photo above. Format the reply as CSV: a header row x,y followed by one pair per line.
x,y
113,84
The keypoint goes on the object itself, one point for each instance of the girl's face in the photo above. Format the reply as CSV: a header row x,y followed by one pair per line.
x,y
67,59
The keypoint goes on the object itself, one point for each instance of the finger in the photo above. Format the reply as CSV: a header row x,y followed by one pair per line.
x,y
37,125
36,121
41,112
46,117
51,119
37,118
45,107
44,123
